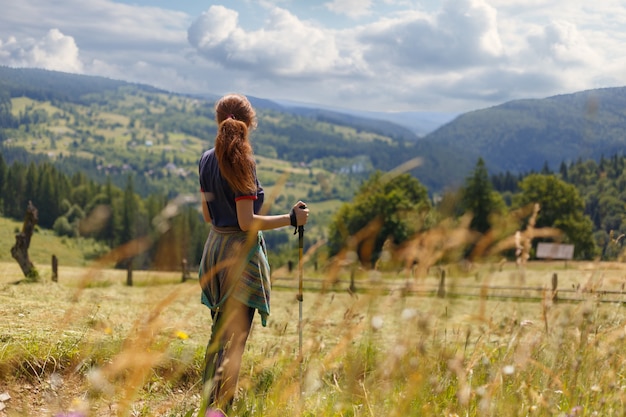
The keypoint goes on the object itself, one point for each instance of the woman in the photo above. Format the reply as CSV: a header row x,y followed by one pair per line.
x,y
234,273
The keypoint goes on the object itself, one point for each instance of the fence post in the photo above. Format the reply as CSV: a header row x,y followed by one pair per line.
x,y
185,270
129,274
555,284
352,287
55,269
441,291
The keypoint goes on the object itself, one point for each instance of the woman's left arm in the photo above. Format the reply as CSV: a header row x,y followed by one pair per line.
x,y
248,220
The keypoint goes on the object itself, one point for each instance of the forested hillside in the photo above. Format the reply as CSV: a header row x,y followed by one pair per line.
x,y
109,128
77,145
523,135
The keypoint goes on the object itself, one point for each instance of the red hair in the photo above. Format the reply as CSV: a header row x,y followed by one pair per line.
x,y
235,117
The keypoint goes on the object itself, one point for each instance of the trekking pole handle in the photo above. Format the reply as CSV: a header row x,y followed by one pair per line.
x,y
294,222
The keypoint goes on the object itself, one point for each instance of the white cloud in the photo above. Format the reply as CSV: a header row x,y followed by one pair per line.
x,y
351,8
286,46
96,23
562,43
401,54
55,51
214,27
463,34
465,51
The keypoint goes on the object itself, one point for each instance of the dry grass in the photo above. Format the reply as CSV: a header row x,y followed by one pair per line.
x,y
93,345
91,342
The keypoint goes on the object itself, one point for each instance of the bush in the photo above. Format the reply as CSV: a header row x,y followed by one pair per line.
x,y
62,227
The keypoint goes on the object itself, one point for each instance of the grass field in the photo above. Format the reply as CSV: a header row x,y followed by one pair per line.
x,y
90,343
45,243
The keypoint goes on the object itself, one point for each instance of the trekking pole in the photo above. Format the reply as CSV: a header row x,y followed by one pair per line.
x,y
300,297
300,230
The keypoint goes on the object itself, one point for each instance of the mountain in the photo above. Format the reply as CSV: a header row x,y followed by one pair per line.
x,y
354,119
523,135
107,128
46,85
101,125
519,136
419,123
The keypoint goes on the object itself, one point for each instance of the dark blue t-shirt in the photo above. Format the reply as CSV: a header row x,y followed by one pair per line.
x,y
220,197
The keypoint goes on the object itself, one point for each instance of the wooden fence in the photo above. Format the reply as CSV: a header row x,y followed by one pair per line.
x,y
456,288
442,288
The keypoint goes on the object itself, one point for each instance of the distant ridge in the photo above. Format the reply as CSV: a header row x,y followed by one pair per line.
x,y
519,136
44,84
523,135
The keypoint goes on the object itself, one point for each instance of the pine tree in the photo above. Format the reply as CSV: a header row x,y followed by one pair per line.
x,y
563,172
479,198
129,213
15,201
108,231
31,190
3,178
49,194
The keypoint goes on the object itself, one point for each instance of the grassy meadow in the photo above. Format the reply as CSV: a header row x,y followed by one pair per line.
x,y
91,344
45,243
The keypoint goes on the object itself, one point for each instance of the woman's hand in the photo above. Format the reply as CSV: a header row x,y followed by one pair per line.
x,y
299,214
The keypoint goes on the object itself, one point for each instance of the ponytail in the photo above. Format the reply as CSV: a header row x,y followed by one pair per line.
x,y
234,156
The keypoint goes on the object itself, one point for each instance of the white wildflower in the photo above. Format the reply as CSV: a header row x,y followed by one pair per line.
x,y
408,313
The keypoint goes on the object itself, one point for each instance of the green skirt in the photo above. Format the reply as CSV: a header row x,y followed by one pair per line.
x,y
234,266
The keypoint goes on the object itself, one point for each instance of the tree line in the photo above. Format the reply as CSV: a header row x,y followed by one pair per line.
x,y
74,205
584,201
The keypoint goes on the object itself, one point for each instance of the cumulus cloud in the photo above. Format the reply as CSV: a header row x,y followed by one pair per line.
x,y
55,51
103,24
351,8
463,50
400,55
286,46
562,43
463,34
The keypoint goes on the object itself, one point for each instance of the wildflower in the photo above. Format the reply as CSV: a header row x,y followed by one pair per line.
x,y
377,322
508,370
408,313
575,411
182,335
214,413
99,382
71,414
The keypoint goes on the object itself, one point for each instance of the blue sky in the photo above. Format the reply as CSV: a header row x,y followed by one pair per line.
x,y
375,55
